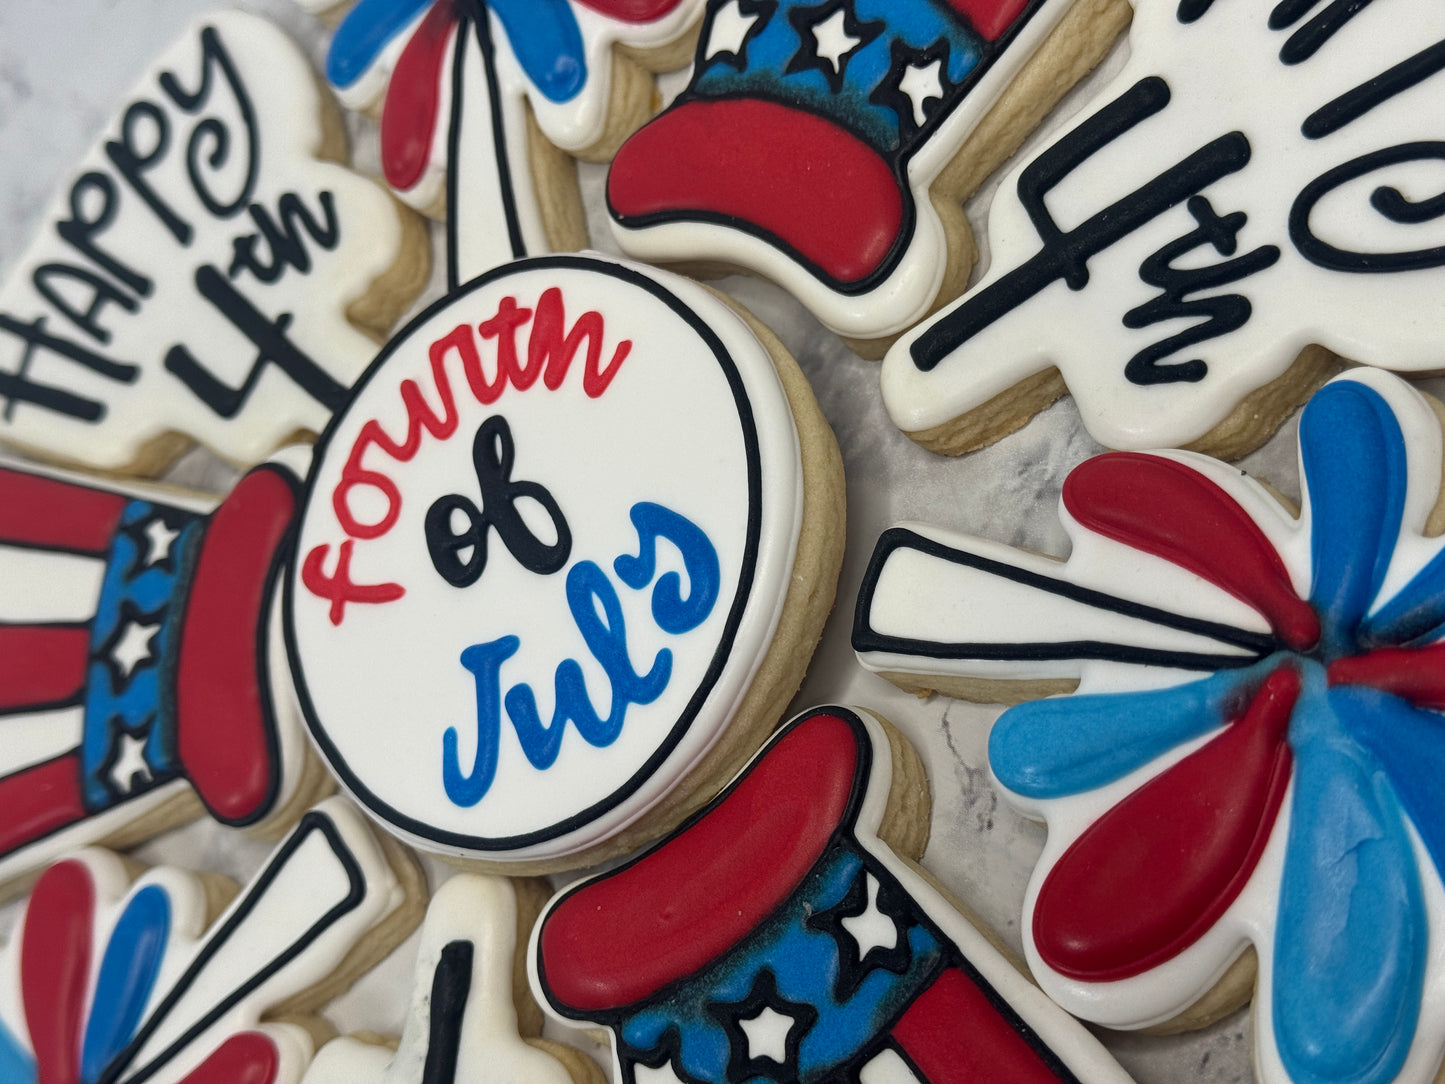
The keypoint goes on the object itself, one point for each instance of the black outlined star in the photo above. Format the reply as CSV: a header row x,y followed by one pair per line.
x,y
659,1066
156,537
764,1032
125,768
732,26
132,645
916,85
830,34
865,924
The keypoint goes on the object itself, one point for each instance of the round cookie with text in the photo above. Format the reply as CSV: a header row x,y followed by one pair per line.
x,y
562,557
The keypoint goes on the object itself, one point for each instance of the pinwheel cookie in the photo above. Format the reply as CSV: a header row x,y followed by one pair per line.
x,y
562,562
211,275
143,677
483,104
785,935
1243,779
829,145
1253,197
470,1005
167,979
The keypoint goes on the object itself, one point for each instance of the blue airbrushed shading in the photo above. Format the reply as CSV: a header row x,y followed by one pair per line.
x,y
1353,455
1351,936
914,24
1350,954
141,702
1066,745
804,961
128,972
543,35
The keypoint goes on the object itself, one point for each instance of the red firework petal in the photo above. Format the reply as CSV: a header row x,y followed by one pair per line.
x,y
55,969
1164,507
1414,675
1154,873
632,11
412,110
247,1058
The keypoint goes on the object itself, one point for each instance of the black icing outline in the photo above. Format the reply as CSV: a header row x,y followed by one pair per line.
x,y
912,141
337,763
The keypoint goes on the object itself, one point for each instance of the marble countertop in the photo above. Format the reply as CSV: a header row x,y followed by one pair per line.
x,y
64,64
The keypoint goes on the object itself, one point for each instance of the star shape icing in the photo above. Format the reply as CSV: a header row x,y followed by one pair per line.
x,y
872,929
832,41
729,30
129,768
159,537
922,83
134,645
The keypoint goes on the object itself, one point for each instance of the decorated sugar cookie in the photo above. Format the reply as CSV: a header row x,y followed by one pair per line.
x,y
1170,254
570,544
491,97
829,146
208,275
1249,757
465,1013
778,937
143,666
119,982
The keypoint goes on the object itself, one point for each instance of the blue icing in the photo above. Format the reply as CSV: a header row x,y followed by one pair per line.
x,y
141,699
363,35
1353,455
126,978
16,1066
672,612
1350,951
804,961
1415,616
1066,745
912,24
547,43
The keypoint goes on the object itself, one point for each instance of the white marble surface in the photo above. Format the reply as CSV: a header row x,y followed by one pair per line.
x,y
64,64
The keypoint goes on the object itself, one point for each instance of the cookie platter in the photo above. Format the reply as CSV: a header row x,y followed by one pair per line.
x,y
980,848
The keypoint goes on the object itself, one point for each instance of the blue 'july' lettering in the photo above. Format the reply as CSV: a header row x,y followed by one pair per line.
x,y
595,608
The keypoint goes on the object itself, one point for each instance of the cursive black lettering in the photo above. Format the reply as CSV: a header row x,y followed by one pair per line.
x,y
18,388
81,228
133,162
285,245
102,293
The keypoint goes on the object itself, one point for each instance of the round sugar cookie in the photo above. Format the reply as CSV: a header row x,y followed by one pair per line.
x,y
562,562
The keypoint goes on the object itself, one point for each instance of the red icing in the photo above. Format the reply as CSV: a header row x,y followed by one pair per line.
x,y
1166,508
55,969
1181,847
1414,675
786,173
989,17
40,665
412,110
37,801
37,511
632,11
681,906
223,733
247,1058
954,1034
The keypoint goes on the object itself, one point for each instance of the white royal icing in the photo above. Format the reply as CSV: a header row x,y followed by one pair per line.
x,y
479,913
692,420
1284,273
138,336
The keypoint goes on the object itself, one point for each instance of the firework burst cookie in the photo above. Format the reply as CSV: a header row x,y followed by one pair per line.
x,y
470,1004
143,676
785,935
498,96
168,979
829,146
1189,255
211,275
1250,756
562,562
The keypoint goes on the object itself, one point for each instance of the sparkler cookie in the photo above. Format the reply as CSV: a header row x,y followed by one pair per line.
x,y
1247,759
210,275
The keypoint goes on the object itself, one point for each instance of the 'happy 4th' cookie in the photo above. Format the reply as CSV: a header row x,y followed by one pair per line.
x,y
483,105
1251,755
1191,252
168,980
209,275
830,146
142,673
785,935
562,561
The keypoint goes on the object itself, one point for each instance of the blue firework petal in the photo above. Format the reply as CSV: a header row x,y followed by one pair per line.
x,y
1050,748
1406,742
1415,616
547,43
16,1066
1349,957
127,975
1353,455
365,32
